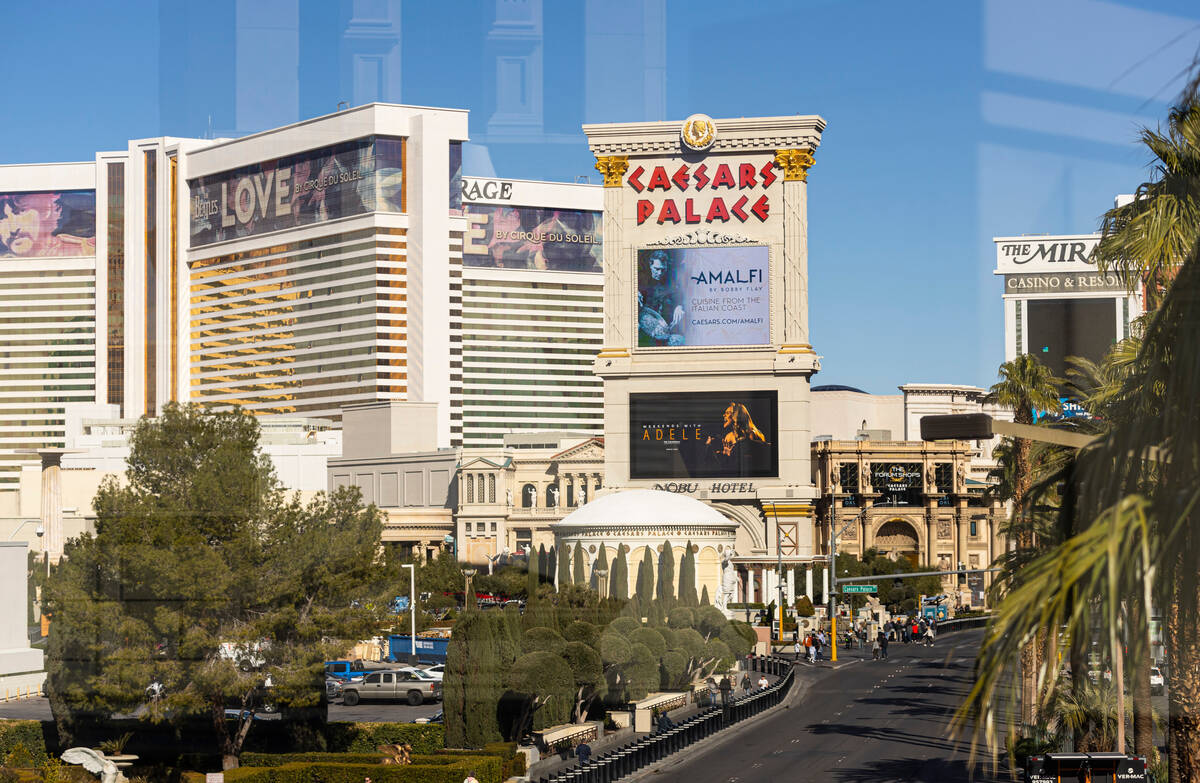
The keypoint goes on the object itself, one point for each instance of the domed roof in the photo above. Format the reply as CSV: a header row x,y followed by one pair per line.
x,y
645,507
832,387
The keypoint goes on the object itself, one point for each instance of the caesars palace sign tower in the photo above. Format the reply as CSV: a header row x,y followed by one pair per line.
x,y
707,357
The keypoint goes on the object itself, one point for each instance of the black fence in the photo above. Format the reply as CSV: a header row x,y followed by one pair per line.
x,y
629,758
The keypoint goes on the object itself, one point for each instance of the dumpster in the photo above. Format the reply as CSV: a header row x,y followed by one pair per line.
x,y
430,649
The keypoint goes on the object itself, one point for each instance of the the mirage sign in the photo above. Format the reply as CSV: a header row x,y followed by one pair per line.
x,y
1016,255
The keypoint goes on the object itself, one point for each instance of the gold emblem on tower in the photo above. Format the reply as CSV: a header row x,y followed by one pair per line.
x,y
698,132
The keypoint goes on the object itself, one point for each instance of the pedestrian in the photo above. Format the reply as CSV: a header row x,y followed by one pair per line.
x,y
665,723
822,642
883,644
583,752
762,681
712,690
929,636
796,643
875,649
746,682
809,649
726,688
470,778
915,629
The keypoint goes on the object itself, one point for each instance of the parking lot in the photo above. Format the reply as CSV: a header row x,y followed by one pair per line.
x,y
39,709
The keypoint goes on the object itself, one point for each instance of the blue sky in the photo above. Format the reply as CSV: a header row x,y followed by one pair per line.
x,y
948,122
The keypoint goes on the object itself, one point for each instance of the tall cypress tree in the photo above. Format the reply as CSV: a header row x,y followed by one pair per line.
x,y
704,597
687,578
580,577
602,563
543,563
564,566
666,576
620,577
534,577
645,581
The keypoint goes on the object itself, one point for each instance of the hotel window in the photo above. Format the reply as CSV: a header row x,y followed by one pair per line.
x,y
151,309
115,307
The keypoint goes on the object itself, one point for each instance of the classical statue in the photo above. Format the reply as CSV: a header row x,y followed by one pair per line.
x,y
583,493
729,580
96,763
554,496
508,497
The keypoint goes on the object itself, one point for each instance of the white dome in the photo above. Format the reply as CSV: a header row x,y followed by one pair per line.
x,y
644,507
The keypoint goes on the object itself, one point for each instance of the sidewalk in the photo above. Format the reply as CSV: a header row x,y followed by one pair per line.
x,y
552,765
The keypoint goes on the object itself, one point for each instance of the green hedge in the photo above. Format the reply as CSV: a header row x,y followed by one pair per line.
x,y
439,769
279,759
367,737
512,763
22,737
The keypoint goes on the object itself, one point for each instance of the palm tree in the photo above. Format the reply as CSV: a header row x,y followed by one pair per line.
x,y
1025,385
1148,238
1137,538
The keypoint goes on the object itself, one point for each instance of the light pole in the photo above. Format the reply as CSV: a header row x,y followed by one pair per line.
x,y
412,611
469,598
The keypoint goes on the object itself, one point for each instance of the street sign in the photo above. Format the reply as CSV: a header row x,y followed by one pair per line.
x,y
859,588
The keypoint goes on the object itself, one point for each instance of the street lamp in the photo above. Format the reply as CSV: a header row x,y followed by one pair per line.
x,y
412,610
469,598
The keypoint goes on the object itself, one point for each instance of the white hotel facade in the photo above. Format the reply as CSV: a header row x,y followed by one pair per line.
x,y
294,272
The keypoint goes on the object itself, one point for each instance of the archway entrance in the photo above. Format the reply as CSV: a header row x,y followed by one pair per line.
x,y
898,538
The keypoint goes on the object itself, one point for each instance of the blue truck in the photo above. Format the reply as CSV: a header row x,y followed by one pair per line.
x,y
430,649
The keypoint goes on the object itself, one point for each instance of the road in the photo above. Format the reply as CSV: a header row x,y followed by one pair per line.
x,y
868,721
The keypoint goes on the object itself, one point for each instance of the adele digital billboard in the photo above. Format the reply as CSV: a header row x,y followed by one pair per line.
x,y
704,435
703,296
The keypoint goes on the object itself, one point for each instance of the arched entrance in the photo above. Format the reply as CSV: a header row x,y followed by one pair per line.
x,y
898,538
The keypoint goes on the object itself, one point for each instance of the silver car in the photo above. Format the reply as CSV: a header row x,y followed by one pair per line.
x,y
392,685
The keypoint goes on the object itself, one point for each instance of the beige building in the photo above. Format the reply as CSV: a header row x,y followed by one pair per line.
x,y
912,500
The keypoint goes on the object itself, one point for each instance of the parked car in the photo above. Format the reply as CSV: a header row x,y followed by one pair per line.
x,y
346,671
1157,683
438,670
421,674
333,688
378,686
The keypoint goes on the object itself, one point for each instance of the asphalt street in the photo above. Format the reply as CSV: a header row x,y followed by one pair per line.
x,y
863,721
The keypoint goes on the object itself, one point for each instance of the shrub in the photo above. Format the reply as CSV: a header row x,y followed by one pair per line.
x,y
579,631
804,607
542,640
673,670
23,737
651,638
624,625
709,621
681,617
279,759
736,643
546,678
746,631
614,649
367,737
720,651
642,672
690,642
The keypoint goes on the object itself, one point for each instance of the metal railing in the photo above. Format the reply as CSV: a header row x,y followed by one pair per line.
x,y
639,753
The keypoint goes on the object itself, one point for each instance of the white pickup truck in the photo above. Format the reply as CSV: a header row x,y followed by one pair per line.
x,y
392,685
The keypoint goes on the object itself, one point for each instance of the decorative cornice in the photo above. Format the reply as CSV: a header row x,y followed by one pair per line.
x,y
796,348
744,134
795,164
704,236
613,167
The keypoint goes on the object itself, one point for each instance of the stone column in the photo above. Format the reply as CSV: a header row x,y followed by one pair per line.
x,y
616,305
808,581
930,535
52,513
750,584
795,164
790,590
